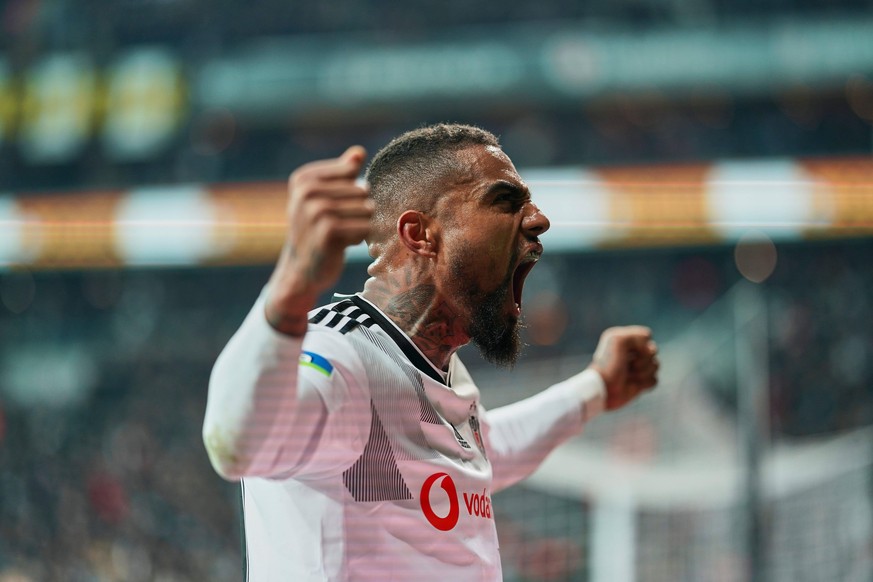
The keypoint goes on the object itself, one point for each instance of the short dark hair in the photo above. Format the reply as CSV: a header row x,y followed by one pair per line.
x,y
404,174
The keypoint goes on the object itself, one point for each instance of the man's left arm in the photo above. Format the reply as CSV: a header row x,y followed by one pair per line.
x,y
520,436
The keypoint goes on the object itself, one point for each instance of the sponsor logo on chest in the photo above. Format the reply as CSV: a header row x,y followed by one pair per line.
x,y
475,504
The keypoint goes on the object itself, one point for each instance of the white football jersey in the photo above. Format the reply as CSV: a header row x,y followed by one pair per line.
x,y
362,461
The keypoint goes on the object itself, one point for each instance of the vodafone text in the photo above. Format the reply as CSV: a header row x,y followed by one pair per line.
x,y
476,504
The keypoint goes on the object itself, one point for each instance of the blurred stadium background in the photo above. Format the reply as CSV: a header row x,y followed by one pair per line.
x,y
707,167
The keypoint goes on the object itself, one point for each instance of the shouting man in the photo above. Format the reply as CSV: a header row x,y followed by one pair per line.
x,y
363,449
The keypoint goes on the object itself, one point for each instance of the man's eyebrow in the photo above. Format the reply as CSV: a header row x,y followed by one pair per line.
x,y
504,186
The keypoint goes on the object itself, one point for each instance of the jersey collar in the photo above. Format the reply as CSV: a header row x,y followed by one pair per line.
x,y
406,345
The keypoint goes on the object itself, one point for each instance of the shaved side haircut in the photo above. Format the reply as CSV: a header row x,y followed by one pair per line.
x,y
410,172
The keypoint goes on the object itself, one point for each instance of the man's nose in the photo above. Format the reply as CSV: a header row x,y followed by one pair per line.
x,y
535,222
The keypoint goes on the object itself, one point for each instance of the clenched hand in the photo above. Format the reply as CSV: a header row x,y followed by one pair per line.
x,y
327,212
627,359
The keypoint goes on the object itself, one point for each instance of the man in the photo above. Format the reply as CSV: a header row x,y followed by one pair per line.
x,y
358,434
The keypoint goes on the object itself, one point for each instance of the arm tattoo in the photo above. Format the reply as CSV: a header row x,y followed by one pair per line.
x,y
315,266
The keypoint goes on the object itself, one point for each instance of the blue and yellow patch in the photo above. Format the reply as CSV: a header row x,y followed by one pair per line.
x,y
316,362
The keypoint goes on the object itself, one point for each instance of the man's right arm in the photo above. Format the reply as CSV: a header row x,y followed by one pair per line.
x,y
259,419
269,415
259,415
327,212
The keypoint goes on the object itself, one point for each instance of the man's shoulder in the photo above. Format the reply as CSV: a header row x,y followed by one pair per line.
x,y
343,315
340,334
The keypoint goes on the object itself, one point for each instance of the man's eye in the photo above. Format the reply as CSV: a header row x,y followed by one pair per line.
x,y
510,199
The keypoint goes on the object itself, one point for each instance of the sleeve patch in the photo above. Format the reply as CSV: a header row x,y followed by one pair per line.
x,y
316,362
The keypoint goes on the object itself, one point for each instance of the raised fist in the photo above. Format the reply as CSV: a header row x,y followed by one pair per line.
x,y
627,359
328,210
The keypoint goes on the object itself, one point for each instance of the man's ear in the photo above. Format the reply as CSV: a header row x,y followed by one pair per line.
x,y
416,232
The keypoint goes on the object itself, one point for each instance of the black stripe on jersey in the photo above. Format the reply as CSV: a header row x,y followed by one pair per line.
x,y
355,313
335,318
319,316
361,317
349,326
343,306
344,312
375,476
342,323
401,340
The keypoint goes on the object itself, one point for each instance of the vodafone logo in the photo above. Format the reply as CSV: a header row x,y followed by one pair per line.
x,y
449,521
477,504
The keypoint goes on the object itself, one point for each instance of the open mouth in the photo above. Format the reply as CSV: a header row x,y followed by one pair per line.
x,y
518,277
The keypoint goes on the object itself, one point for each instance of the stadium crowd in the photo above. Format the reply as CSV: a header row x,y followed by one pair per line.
x,y
637,126
111,483
103,374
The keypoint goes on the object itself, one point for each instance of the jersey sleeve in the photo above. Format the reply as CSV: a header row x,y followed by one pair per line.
x,y
519,436
280,406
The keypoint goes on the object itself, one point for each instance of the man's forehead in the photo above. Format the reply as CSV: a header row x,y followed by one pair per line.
x,y
497,151
495,160
499,155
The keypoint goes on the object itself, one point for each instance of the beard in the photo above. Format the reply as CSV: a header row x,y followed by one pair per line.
x,y
496,334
